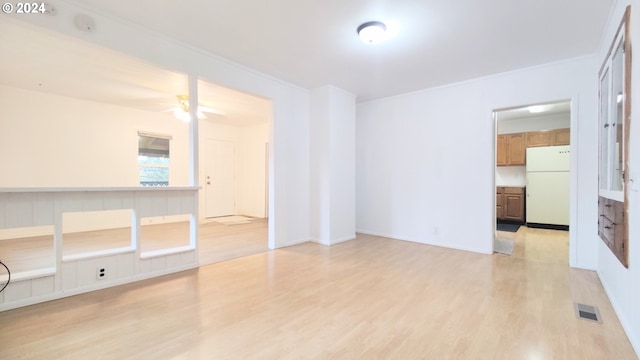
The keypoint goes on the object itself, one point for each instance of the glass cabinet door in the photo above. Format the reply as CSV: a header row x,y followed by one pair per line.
x,y
604,131
617,118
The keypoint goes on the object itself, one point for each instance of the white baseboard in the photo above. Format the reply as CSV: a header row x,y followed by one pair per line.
x,y
633,338
425,242
293,242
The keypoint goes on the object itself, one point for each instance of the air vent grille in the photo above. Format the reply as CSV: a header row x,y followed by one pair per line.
x,y
587,312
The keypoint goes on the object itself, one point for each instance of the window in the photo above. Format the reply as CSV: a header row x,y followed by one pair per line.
x,y
153,159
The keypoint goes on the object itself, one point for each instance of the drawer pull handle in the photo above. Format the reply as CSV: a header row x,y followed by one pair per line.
x,y
607,227
608,205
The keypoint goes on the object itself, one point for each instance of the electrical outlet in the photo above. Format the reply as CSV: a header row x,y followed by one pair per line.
x,y
101,274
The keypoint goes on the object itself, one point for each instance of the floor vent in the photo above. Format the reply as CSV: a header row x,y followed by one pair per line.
x,y
587,312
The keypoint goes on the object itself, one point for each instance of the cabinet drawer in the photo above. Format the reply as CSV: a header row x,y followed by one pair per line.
x,y
608,231
610,209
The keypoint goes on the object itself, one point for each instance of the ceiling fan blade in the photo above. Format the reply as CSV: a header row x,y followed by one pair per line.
x,y
210,110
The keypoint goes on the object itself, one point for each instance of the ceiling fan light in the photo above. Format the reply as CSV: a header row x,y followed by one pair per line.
x,y
372,32
180,114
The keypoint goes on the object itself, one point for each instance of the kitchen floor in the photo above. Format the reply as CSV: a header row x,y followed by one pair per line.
x,y
540,245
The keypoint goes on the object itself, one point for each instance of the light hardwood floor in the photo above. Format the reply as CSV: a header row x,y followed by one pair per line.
x,y
550,246
370,298
217,242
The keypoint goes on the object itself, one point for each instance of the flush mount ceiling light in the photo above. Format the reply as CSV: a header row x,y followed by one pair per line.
x,y
372,32
537,109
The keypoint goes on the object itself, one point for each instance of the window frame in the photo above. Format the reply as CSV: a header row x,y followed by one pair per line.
x,y
152,165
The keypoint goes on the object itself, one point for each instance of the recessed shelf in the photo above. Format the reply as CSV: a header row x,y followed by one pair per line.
x,y
87,233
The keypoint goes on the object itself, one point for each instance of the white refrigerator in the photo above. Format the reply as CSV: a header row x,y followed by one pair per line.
x,y
547,189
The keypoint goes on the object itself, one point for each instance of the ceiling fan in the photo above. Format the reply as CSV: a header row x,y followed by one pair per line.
x,y
182,110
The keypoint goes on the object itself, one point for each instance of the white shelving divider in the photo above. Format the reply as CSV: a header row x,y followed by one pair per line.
x,y
29,207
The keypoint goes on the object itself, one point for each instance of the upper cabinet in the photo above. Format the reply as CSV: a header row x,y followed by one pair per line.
x,y
539,138
614,118
548,138
501,159
511,148
517,149
560,137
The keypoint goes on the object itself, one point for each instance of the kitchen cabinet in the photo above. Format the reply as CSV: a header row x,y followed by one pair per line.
x,y
555,137
538,138
501,158
499,202
511,149
560,137
517,149
611,227
510,203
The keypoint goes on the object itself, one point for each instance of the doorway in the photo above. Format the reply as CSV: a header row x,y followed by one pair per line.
x,y
234,167
532,172
220,178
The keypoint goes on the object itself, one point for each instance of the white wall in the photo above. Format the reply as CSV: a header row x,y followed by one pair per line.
x,y
320,168
426,160
289,149
49,140
623,285
332,165
511,176
252,169
342,148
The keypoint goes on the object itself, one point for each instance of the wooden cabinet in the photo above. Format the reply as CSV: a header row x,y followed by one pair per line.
x,y
501,158
539,138
499,203
513,203
612,227
560,137
510,203
548,138
511,149
517,149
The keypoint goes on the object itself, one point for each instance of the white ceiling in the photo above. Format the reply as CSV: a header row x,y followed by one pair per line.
x,y
313,42
37,59
549,109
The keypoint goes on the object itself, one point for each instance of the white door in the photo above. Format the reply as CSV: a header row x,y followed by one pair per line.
x,y
220,179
